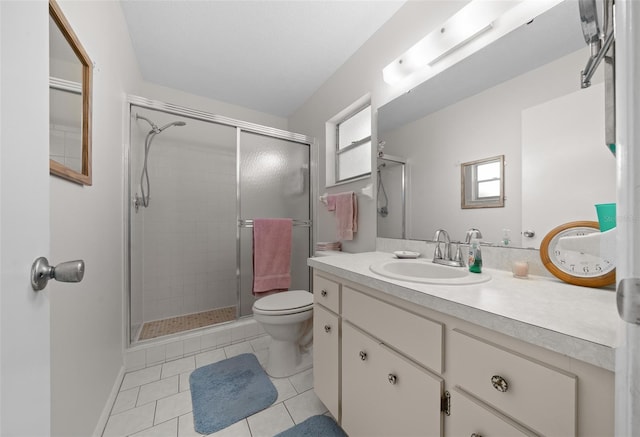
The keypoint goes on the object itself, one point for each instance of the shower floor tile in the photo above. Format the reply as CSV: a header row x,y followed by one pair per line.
x,y
158,328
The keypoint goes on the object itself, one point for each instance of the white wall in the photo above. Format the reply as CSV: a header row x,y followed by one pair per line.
x,y
86,222
359,76
176,97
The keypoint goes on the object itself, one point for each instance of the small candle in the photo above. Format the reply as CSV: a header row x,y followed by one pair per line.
x,y
520,269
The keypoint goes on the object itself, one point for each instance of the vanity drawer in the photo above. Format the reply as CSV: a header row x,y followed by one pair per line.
x,y
326,293
470,417
413,335
541,397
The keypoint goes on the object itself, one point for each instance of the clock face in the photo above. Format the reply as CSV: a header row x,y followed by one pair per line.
x,y
577,260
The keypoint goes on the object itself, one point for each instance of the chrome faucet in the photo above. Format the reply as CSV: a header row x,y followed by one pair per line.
x,y
471,233
444,257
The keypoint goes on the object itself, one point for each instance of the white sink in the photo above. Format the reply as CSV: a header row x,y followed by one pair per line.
x,y
425,271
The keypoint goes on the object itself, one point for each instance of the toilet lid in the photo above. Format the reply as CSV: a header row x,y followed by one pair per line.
x,y
286,300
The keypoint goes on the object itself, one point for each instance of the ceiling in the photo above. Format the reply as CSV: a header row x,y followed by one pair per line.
x,y
268,55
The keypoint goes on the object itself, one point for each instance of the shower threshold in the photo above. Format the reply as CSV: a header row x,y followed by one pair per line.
x,y
174,325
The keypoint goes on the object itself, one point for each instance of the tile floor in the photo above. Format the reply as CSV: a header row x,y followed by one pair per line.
x,y
156,401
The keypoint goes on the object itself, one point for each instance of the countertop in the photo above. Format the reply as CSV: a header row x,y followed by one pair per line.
x,y
579,322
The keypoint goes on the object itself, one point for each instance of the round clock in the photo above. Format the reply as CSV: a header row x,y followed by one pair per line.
x,y
574,260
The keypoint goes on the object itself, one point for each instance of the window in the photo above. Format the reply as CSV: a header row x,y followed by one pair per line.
x,y
353,145
483,183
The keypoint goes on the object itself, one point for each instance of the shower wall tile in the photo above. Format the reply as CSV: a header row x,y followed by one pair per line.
x,y
156,354
189,235
192,345
186,345
135,360
174,350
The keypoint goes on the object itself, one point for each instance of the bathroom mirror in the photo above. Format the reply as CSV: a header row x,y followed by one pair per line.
x,y
518,97
70,74
482,183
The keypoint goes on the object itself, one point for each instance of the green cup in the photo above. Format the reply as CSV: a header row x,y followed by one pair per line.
x,y
606,216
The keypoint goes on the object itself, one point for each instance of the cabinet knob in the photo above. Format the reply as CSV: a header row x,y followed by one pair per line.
x,y
499,383
363,355
323,293
327,328
475,434
392,378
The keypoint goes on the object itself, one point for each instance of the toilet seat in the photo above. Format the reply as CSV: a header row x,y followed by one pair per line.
x,y
286,302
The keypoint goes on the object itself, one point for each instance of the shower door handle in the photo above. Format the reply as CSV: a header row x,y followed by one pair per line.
x,y
41,272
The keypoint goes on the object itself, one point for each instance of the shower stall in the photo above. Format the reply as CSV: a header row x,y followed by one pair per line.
x,y
195,183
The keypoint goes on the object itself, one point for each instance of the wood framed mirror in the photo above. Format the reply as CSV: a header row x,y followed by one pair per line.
x,y
70,76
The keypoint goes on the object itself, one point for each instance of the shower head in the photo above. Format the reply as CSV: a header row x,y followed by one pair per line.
x,y
154,127
173,123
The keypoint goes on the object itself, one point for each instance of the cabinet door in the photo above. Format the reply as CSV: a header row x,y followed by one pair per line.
x,y
326,362
385,394
470,417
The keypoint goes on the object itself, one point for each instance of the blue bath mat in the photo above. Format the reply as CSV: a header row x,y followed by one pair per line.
x,y
228,391
315,426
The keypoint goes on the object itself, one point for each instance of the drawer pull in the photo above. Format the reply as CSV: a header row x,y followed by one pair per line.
x,y
327,328
363,355
392,378
499,383
475,434
323,293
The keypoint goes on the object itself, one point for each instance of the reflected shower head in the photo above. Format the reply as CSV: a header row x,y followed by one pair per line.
x,y
173,123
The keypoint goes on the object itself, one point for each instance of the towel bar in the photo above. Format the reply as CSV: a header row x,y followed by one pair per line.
x,y
249,223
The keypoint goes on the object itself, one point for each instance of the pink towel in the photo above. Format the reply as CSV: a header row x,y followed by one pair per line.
x,y
271,254
346,207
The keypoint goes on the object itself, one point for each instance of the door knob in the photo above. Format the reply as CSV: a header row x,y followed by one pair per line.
x,y
41,272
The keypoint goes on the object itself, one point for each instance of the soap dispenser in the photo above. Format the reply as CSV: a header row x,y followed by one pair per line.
x,y
475,256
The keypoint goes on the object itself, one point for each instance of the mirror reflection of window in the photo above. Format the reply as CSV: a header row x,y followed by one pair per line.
x,y
488,180
483,183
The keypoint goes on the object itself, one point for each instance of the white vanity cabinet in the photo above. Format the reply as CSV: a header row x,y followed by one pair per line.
x,y
326,343
400,368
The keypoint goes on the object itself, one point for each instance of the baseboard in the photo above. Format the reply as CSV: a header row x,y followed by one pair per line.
x,y
106,411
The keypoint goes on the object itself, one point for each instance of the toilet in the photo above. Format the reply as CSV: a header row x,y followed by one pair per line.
x,y
287,318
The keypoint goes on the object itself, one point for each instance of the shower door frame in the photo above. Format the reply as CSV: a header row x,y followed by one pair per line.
x,y
240,126
403,186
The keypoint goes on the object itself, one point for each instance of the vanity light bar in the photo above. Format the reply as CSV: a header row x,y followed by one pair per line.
x,y
473,20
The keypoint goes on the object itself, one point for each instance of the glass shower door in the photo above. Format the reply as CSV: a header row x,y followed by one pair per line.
x,y
273,183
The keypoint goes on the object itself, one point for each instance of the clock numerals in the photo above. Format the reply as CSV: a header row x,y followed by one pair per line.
x,y
573,263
